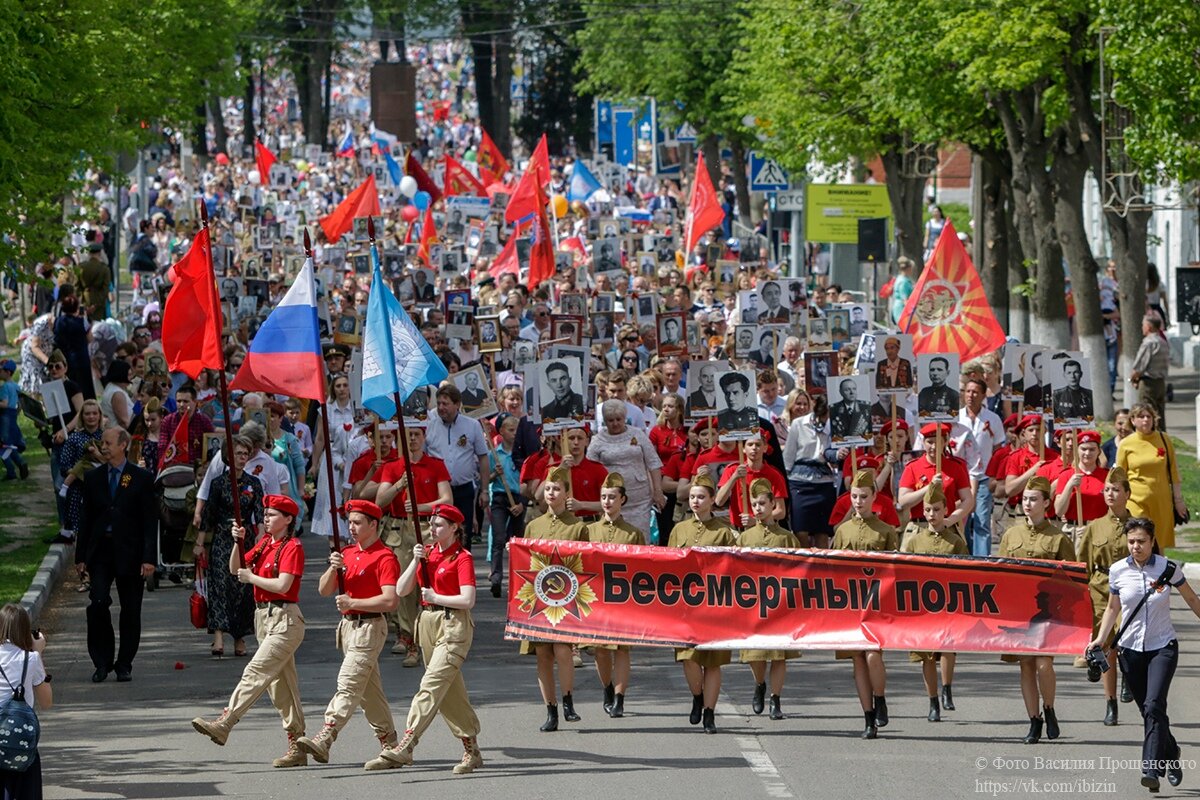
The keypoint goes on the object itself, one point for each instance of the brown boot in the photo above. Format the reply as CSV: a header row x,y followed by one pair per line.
x,y
412,657
404,643
401,755
379,762
472,759
294,757
318,746
217,730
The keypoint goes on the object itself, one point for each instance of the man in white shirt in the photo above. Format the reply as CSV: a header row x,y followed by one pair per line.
x,y
458,441
987,429
672,372
271,474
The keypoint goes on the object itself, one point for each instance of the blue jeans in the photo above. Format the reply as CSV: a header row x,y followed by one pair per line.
x,y
56,475
1111,352
979,522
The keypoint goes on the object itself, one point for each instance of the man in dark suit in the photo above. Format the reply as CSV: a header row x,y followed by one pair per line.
x,y
704,399
117,543
893,372
565,402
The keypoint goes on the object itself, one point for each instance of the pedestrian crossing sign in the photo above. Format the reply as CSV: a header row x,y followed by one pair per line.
x,y
766,175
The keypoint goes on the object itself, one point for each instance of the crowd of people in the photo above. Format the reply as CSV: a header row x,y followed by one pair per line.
x,y
609,405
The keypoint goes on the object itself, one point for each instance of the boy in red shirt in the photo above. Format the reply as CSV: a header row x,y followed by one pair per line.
x,y
737,477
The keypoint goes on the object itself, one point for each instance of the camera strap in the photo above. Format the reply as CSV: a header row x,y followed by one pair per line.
x,y
1167,573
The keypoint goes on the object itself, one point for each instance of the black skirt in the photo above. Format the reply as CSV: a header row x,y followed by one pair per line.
x,y
812,503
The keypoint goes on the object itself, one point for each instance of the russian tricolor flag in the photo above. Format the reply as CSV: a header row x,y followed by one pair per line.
x,y
285,356
346,147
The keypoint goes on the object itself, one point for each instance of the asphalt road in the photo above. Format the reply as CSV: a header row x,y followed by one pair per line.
x,y
134,740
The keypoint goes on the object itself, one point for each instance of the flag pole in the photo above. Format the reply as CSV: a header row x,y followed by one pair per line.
x,y
223,387
336,539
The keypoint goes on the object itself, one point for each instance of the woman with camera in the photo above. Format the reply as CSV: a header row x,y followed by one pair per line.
x,y
1147,647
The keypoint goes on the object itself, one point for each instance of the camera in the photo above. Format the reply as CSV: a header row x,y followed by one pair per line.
x,y
1097,663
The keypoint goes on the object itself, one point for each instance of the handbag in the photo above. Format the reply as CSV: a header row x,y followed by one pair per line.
x,y
1186,516
198,602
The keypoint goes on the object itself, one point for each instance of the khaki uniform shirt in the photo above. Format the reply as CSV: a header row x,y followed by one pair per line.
x,y
769,535
865,534
564,527
1101,545
1043,541
691,532
619,532
946,542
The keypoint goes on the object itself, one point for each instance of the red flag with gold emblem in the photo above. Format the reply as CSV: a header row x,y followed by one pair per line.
x,y
947,311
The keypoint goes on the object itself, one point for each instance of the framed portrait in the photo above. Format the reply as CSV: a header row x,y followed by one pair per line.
x,y
359,229
646,308
850,409
819,367
362,263
335,257
664,249
748,307
489,334
1071,390
566,327
743,341
606,256
860,320
393,263
602,328
474,235
839,326
459,314
560,390
573,303
423,283
477,399
257,288
864,358
765,344
416,407
672,333
348,330
1036,390
713,252
937,379
647,263
695,337
726,276
231,289
563,262
604,302
702,387
816,330
247,306
893,363
264,238
737,400
608,228
211,444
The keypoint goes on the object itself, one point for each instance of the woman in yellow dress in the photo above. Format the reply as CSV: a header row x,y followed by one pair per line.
x,y
1145,455
766,532
702,668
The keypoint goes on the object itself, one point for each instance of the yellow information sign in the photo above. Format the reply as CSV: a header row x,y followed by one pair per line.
x,y
832,210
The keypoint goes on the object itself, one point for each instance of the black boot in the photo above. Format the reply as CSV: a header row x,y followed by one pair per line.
x,y
609,692
618,706
697,707
760,696
947,698
710,725
1175,768
569,709
871,730
1035,731
1052,730
881,715
935,710
1111,714
1126,695
551,723
776,711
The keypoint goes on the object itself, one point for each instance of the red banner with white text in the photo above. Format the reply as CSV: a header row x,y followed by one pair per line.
x,y
727,598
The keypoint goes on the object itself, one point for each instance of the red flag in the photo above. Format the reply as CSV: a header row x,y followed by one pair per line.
x,y
178,450
425,183
507,260
704,210
192,322
264,158
947,310
524,201
541,254
457,180
428,236
492,164
362,202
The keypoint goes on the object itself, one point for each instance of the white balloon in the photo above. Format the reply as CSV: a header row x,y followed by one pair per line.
x,y
408,186
253,177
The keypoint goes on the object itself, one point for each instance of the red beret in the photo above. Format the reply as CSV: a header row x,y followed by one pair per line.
x,y
1027,421
705,424
1010,421
452,513
1089,436
281,502
932,428
901,425
363,507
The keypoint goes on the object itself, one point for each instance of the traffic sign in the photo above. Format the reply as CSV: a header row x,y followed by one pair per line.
x,y
766,175
790,201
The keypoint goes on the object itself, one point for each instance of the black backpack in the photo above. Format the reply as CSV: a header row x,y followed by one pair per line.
x,y
19,727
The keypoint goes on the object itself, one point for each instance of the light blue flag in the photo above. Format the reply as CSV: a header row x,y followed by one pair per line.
x,y
583,183
396,357
392,167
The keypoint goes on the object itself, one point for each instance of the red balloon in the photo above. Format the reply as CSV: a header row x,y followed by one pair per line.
x,y
410,213
222,159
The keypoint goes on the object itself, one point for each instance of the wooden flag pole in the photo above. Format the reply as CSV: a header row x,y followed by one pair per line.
x,y
745,488
411,487
1041,439
335,539
1078,489
223,387
937,463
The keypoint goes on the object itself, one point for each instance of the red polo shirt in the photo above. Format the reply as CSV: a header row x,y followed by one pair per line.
x,y
368,571
919,472
586,477
427,473
534,466
672,466
449,569
1092,489
668,441
715,459
362,465
778,486
291,562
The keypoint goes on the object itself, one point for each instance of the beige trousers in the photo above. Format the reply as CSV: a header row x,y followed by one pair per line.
x,y
445,639
273,667
358,681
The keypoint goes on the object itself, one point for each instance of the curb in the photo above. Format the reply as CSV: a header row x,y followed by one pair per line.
x,y
46,578
1191,572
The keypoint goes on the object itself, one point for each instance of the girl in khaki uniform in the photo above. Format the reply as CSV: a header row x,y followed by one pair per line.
x,y
935,537
1101,545
1037,538
865,531
613,660
558,524
764,533
702,668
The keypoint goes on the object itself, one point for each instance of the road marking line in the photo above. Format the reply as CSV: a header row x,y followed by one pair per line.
x,y
762,766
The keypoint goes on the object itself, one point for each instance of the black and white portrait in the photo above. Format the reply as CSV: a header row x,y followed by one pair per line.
x,y
839,326
647,264
768,339
477,400
937,377
850,408
817,331
859,320
231,289
489,334
1037,380
702,387
774,309
602,328
818,369
560,388
1071,390
416,407
574,303
743,340
1012,372
672,333
423,285
604,303
797,294
737,401
524,354
647,307
606,257
748,306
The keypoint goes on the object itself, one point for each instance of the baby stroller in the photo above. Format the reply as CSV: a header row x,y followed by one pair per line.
x,y
173,485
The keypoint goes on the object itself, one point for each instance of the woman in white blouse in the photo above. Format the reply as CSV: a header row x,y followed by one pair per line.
x,y
812,482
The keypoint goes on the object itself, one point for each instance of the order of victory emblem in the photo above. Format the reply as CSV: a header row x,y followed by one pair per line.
x,y
940,304
555,586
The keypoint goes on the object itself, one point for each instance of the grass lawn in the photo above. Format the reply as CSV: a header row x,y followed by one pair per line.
x,y
29,517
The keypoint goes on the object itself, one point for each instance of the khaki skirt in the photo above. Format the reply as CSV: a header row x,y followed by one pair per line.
x,y
704,658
